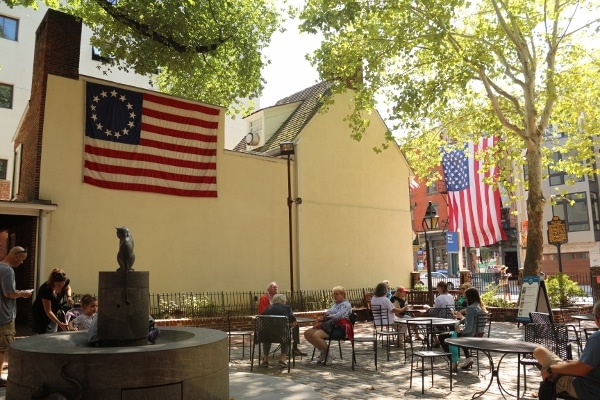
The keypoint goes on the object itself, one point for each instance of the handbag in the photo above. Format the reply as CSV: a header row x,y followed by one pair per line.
x,y
327,326
454,349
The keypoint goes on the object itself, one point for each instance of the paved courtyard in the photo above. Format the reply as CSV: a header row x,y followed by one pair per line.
x,y
391,381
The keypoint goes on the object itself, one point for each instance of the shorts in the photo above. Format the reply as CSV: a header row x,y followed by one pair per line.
x,y
565,382
7,335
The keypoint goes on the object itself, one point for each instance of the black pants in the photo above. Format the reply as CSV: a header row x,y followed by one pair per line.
x,y
296,336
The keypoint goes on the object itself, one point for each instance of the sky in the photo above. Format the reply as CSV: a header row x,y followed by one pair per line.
x,y
289,72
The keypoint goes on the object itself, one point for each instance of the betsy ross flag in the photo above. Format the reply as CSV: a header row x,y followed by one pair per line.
x,y
474,206
149,142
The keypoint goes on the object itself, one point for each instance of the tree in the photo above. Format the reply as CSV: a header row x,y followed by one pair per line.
x,y
451,71
209,50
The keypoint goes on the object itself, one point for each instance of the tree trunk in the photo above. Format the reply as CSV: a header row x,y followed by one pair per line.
x,y
535,209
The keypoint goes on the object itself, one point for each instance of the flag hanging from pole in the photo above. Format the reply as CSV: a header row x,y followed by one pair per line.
x,y
474,206
149,142
413,184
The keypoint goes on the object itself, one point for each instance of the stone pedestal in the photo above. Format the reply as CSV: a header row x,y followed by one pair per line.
x,y
123,309
185,363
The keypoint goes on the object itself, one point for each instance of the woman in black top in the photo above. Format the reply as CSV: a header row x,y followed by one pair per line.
x,y
47,304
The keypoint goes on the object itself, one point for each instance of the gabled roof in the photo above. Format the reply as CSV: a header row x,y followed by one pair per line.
x,y
311,100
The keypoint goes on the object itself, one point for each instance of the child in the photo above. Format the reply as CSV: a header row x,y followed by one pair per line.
x,y
89,305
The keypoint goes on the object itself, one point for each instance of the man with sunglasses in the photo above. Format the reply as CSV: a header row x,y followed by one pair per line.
x,y
8,300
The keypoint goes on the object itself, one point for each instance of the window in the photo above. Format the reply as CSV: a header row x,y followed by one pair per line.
x,y
256,125
595,211
575,215
3,166
560,177
432,188
6,95
9,27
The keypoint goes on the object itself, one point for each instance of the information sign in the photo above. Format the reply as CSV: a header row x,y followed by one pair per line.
x,y
533,297
557,231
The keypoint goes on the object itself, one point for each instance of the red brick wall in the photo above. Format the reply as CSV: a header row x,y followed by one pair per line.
x,y
5,190
56,52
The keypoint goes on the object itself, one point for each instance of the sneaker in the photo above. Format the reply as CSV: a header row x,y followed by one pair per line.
x,y
282,364
330,357
298,353
468,363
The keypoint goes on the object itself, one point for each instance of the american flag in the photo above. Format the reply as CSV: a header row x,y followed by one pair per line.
x,y
413,184
474,207
149,142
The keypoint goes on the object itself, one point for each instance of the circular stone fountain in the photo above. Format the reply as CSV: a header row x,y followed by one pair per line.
x,y
185,363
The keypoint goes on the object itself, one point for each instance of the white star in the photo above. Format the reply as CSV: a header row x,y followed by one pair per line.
x,y
117,134
94,117
132,115
129,106
104,93
114,93
125,131
99,126
131,124
93,107
108,133
122,98
96,99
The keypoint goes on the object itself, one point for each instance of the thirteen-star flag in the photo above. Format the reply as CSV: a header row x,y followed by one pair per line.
x,y
149,142
474,206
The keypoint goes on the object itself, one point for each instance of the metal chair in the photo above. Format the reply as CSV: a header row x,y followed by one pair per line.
x,y
272,329
385,329
554,337
430,354
231,334
484,326
365,339
540,318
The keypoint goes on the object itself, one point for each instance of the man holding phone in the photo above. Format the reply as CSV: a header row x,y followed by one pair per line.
x,y
8,300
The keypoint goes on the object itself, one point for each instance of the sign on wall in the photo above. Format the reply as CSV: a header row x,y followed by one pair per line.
x,y
533,297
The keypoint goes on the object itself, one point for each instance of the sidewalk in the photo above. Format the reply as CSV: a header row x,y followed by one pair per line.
x,y
391,381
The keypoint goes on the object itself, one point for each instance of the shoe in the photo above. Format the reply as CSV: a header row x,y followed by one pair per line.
x,y
454,366
321,357
264,364
282,364
330,358
2,383
298,353
468,363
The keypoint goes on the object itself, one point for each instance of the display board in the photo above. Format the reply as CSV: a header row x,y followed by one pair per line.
x,y
533,297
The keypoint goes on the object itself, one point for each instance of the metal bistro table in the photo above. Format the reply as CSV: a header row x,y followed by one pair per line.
x,y
304,320
492,345
583,317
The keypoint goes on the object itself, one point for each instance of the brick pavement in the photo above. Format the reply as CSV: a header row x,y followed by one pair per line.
x,y
391,381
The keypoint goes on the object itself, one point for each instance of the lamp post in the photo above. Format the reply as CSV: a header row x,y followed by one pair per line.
x,y
287,149
430,222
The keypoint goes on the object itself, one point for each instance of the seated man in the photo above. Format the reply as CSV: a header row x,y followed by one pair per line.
x,y
567,373
265,301
278,308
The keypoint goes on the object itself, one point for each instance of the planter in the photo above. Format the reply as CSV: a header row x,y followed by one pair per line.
x,y
503,314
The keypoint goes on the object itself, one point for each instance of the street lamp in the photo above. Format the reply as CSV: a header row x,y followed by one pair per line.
x,y
430,222
287,149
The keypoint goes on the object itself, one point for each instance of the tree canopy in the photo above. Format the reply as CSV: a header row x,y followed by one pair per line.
x,y
210,50
451,71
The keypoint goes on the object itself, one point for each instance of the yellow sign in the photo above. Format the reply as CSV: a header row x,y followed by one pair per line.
x,y
557,231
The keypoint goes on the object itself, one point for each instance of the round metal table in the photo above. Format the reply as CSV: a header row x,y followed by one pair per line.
x,y
492,345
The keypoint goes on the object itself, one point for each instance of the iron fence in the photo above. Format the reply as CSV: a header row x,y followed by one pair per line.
x,y
212,304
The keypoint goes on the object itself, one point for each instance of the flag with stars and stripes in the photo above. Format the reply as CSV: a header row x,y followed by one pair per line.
x,y
474,207
149,142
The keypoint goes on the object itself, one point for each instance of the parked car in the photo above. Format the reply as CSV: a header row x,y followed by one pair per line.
x,y
436,276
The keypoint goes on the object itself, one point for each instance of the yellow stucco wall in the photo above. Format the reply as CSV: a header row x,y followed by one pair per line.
x,y
353,228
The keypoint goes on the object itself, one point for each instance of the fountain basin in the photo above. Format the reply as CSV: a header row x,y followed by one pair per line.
x,y
185,363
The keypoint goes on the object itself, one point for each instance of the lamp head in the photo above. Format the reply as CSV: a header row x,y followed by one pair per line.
x,y
286,148
431,218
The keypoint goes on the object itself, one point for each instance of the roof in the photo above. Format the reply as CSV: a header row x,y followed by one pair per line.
x,y
311,100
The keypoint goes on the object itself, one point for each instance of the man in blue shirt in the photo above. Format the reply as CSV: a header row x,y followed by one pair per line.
x,y
580,379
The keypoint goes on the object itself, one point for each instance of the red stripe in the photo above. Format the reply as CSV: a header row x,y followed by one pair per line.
x,y
149,188
178,148
171,102
169,176
180,119
176,133
135,156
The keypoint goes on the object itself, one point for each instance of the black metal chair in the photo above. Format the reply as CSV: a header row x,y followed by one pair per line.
x,y
540,318
385,329
231,334
365,339
484,326
554,337
272,329
427,353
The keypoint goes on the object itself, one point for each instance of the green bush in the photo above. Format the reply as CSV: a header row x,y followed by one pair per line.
x,y
570,290
491,299
419,287
188,307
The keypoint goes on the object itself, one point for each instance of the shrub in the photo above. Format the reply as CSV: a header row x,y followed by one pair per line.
x,y
570,290
188,307
491,299
419,287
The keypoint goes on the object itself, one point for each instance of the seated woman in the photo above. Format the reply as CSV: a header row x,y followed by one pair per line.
x,y
461,302
380,299
475,308
339,311
278,307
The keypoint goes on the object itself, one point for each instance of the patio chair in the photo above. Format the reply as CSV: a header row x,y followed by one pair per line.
x,y
484,322
386,329
427,353
540,318
365,339
554,337
242,334
272,329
